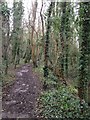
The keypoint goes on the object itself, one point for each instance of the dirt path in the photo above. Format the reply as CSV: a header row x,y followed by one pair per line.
x,y
19,99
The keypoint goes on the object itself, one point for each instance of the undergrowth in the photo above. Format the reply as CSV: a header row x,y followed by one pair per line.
x,y
60,101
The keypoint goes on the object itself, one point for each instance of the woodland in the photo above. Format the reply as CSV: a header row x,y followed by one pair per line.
x,y
45,60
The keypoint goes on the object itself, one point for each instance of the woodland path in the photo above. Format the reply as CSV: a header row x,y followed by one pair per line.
x,y
19,100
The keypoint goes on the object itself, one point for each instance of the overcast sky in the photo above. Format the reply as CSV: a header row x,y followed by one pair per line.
x,y
27,5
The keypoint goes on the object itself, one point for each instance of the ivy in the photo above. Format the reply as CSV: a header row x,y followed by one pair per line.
x,y
84,51
5,10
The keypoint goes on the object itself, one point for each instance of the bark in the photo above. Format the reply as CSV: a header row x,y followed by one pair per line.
x,y
17,31
7,45
62,34
0,38
32,33
42,19
84,50
46,57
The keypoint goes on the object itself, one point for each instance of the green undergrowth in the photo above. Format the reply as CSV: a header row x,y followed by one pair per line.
x,y
60,101
39,71
52,81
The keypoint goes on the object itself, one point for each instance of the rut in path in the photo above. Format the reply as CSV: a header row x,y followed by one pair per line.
x,y
19,99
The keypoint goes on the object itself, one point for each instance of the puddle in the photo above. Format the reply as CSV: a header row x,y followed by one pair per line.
x,y
17,90
24,70
35,87
23,90
27,85
19,74
23,84
10,102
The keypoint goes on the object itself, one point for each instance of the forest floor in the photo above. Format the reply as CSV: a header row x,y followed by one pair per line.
x,y
19,100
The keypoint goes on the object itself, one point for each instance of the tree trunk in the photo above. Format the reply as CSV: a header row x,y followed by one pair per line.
x,y
47,41
62,35
84,50
0,38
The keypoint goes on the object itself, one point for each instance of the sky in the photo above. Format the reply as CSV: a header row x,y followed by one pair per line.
x,y
27,9
27,5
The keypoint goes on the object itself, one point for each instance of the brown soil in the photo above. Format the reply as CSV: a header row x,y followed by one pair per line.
x,y
19,99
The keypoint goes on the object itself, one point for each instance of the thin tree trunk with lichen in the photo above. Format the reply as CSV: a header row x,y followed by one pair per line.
x,y
7,45
68,36
32,33
62,39
0,38
17,23
5,35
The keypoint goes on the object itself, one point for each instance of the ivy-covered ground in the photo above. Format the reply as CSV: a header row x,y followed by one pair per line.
x,y
60,101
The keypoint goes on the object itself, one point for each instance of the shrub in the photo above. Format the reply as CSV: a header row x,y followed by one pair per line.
x,y
62,103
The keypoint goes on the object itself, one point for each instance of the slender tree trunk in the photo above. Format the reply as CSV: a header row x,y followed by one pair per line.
x,y
42,20
62,35
47,40
17,30
5,36
68,37
0,38
7,45
32,33
46,52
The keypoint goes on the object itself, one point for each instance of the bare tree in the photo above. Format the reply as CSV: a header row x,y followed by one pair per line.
x,y
34,10
42,19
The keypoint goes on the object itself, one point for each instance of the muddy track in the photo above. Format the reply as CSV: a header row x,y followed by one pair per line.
x,y
19,99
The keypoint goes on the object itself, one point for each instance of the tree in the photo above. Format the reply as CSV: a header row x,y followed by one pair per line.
x,y
47,40
17,31
0,37
5,34
84,36
68,36
62,37
32,33
42,20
